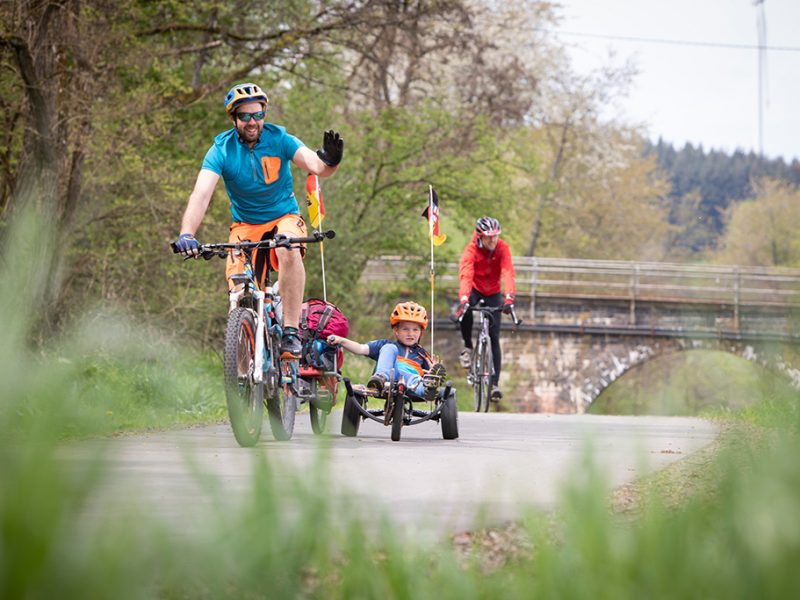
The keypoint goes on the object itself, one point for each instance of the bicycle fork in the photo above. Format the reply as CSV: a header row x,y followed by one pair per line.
x,y
258,360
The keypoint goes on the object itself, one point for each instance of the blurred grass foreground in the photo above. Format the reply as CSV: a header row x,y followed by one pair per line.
x,y
734,533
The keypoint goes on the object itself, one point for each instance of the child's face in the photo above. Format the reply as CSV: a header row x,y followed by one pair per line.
x,y
407,333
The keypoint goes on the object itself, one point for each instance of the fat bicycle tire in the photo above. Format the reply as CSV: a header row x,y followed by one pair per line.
x,y
244,397
449,417
282,403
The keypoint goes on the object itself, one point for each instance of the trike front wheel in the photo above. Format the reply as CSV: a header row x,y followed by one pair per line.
x,y
397,416
351,417
449,417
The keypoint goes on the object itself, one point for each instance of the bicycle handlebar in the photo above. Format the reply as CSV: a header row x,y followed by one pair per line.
x,y
480,307
208,251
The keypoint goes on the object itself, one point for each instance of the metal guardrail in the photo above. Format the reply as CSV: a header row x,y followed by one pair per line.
x,y
631,281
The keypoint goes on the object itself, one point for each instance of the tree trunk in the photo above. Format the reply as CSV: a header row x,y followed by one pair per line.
x,y
58,86
548,186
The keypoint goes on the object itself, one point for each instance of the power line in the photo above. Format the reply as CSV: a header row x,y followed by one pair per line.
x,y
626,38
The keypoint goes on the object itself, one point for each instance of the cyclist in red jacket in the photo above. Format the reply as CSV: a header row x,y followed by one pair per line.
x,y
485,262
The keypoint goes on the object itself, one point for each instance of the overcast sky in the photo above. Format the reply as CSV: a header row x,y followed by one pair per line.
x,y
700,94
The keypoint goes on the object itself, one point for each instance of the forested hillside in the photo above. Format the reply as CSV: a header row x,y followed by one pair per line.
x,y
108,107
704,185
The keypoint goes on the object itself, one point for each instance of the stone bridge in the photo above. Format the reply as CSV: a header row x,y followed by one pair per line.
x,y
586,323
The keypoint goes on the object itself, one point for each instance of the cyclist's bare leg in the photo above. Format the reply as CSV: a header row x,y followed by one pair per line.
x,y
292,282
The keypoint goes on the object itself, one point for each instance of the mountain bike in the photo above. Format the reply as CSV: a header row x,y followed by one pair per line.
x,y
481,367
253,370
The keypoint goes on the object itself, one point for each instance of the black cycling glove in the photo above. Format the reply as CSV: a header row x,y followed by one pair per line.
x,y
332,148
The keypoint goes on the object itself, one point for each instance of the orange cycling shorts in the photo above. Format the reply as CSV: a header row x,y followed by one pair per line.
x,y
291,225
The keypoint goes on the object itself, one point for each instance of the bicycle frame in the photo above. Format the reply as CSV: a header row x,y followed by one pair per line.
x,y
234,300
486,316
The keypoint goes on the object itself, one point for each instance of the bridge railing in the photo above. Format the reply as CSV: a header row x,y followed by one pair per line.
x,y
631,281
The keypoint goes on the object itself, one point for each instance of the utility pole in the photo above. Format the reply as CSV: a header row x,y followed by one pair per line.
x,y
761,27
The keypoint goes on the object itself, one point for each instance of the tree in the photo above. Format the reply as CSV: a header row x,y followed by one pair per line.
x,y
763,231
567,138
115,81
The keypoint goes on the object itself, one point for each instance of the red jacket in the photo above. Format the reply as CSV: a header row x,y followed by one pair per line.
x,y
482,270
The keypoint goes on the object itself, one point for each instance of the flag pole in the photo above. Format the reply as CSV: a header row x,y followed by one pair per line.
x,y
322,259
430,235
316,214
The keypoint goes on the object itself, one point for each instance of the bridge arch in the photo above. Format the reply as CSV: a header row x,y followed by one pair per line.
x,y
565,373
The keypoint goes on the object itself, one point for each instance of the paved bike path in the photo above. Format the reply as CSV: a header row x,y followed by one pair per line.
x,y
500,464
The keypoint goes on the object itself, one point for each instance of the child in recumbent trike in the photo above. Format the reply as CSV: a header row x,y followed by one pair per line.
x,y
404,356
405,373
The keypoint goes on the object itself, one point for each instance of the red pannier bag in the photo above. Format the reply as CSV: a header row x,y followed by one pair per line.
x,y
318,320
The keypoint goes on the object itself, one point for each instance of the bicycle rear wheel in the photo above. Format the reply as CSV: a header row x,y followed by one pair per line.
x,y
282,403
244,397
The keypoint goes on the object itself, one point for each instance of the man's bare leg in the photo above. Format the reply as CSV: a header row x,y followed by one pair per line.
x,y
292,283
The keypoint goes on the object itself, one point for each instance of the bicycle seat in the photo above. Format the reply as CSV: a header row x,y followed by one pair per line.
x,y
239,278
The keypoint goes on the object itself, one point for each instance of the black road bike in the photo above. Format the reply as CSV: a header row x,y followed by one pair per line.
x,y
481,366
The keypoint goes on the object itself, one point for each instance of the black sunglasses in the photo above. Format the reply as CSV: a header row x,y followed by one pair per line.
x,y
245,117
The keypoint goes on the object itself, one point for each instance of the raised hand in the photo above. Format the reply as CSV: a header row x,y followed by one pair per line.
x,y
332,148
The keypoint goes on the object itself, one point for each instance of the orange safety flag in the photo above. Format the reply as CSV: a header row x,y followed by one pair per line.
x,y
316,207
431,213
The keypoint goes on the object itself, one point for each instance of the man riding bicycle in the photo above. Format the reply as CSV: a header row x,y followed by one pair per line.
x,y
485,261
253,159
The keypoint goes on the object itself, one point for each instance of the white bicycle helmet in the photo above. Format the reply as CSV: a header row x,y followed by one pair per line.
x,y
487,226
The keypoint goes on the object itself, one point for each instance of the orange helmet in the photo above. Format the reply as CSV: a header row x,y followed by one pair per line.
x,y
409,311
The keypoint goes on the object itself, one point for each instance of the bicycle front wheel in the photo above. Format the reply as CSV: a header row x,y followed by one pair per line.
x,y
244,397
482,377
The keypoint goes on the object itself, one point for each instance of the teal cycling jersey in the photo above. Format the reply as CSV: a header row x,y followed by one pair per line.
x,y
258,179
